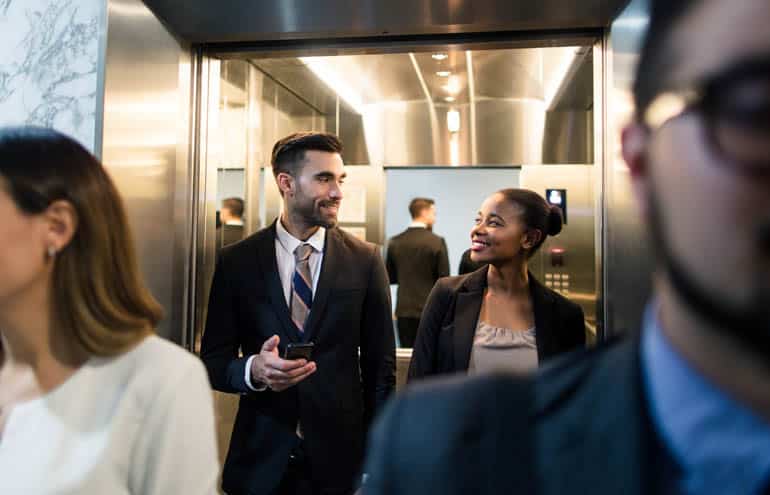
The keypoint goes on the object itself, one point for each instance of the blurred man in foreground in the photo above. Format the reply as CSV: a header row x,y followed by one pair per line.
x,y
684,406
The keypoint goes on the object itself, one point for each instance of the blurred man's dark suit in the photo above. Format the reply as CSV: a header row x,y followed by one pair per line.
x,y
416,258
228,234
350,311
582,427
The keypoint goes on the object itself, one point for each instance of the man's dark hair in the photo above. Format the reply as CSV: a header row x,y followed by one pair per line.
x,y
418,205
658,57
289,152
235,205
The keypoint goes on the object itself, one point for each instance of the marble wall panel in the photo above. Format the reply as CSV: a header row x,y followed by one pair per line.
x,y
49,64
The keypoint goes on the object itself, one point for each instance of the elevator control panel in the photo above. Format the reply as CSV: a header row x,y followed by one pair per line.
x,y
558,281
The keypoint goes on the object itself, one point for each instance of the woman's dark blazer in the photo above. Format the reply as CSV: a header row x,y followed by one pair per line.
x,y
448,324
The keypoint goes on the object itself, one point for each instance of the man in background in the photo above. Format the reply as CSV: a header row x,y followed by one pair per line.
x,y
231,218
416,259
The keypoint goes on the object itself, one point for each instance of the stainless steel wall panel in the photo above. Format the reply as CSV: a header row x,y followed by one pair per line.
x,y
202,21
577,237
628,262
568,137
509,131
145,146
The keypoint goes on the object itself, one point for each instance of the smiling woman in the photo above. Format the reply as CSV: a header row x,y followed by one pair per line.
x,y
79,364
498,317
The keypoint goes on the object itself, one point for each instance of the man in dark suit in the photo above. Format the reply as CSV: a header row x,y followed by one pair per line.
x,y
301,424
231,216
416,259
684,406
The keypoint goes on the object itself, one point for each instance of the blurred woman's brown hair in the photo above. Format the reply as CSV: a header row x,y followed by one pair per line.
x,y
98,295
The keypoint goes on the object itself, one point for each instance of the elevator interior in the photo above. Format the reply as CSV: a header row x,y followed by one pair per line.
x,y
450,122
158,137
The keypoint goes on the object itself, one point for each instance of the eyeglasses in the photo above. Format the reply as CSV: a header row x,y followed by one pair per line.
x,y
735,106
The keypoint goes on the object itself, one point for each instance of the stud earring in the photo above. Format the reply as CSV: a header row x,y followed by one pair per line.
x,y
51,251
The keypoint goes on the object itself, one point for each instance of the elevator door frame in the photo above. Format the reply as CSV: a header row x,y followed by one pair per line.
x,y
205,183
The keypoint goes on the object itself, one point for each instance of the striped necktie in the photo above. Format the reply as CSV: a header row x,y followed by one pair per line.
x,y
301,286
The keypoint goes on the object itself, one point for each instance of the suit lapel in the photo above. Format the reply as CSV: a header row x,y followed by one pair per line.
x,y
466,317
543,308
269,267
326,280
603,445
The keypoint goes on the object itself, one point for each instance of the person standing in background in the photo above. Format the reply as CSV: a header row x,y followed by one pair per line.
x,y
416,259
231,218
301,423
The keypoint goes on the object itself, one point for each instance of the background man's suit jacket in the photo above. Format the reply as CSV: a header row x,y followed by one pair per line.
x,y
228,234
416,258
351,309
581,426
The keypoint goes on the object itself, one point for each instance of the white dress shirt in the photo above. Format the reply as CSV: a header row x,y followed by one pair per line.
x,y
117,426
285,244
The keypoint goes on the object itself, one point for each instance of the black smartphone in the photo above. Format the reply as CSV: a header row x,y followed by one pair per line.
x,y
298,351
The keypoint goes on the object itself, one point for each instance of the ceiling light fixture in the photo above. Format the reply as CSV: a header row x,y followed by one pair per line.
x,y
452,86
444,73
326,72
439,56
453,121
449,99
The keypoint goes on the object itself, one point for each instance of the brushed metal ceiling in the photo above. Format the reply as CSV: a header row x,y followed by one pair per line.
x,y
204,21
496,74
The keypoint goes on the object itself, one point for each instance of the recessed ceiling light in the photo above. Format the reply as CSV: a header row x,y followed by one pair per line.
x,y
439,56
453,120
452,86
443,73
449,99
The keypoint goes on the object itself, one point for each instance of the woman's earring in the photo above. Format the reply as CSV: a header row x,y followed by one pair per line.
x,y
51,251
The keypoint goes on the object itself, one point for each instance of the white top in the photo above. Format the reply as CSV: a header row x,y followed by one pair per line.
x,y
285,245
138,423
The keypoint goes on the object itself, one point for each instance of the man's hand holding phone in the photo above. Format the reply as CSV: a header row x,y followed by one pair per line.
x,y
279,374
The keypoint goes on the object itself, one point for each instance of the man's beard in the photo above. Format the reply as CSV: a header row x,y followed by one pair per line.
x,y
309,213
747,324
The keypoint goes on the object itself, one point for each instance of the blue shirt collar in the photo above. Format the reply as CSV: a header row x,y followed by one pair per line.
x,y
721,446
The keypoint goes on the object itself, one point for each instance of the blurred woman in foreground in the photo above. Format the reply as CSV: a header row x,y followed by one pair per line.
x,y
91,401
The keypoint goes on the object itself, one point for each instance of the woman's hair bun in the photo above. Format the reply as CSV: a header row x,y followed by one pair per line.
x,y
555,220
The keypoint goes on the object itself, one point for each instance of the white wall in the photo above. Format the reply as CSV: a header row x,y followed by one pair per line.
x,y
458,193
230,183
49,63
